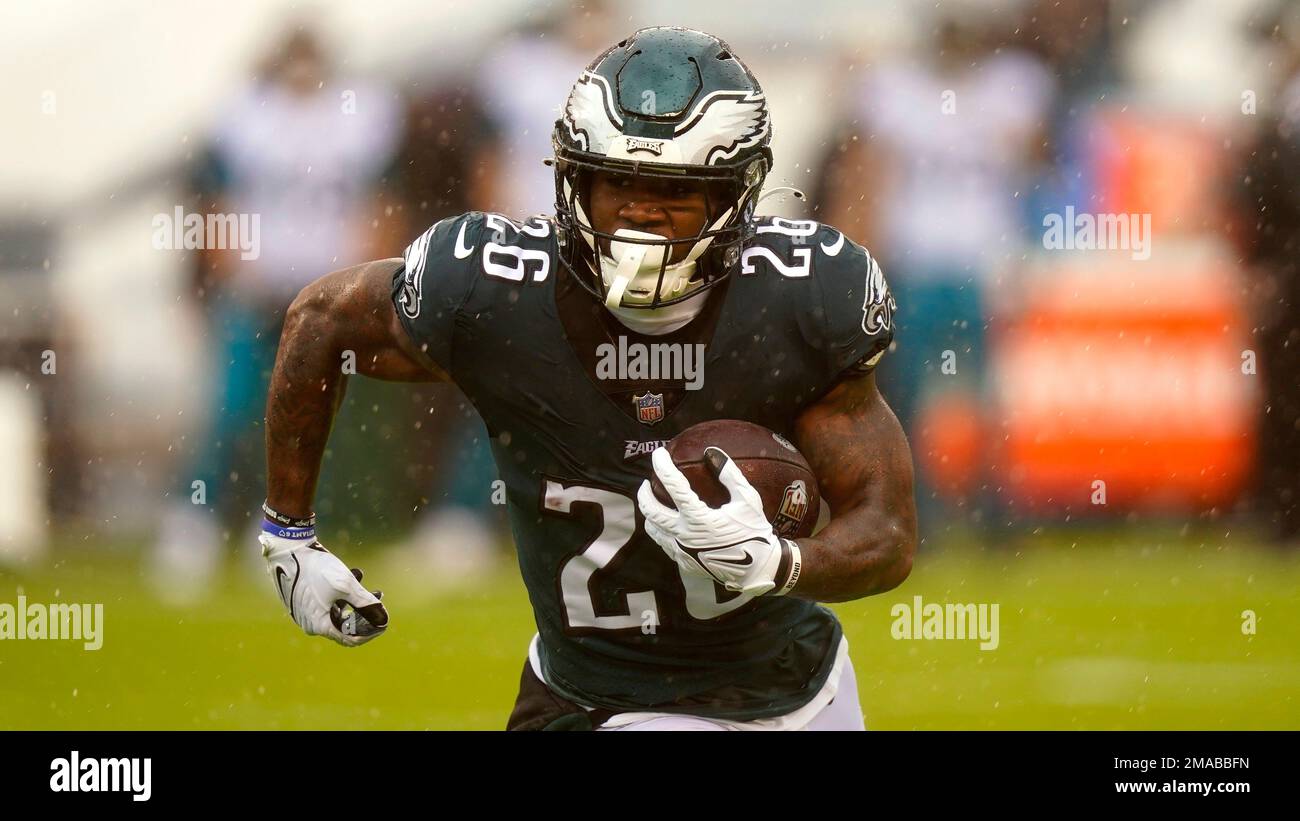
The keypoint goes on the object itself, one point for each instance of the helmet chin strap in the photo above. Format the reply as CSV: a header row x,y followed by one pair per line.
x,y
631,269
638,265
633,259
663,320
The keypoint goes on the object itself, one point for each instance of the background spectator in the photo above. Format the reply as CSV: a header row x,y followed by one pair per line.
x,y
301,152
944,140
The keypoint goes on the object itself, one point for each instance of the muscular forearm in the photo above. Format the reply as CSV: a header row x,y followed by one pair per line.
x,y
347,313
306,388
860,553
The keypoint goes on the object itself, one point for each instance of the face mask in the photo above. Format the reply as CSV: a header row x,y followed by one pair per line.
x,y
631,270
631,274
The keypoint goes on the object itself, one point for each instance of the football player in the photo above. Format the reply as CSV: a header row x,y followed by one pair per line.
x,y
648,616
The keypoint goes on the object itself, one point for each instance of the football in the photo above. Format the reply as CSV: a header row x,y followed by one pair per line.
x,y
774,466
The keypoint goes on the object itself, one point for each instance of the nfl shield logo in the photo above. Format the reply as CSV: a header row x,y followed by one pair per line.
x,y
794,506
649,408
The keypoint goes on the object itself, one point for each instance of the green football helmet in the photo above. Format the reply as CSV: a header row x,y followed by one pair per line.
x,y
671,103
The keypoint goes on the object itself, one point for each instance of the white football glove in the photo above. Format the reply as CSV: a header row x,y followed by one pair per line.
x,y
323,596
734,544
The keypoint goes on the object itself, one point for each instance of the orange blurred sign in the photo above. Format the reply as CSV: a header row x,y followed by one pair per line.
x,y
1128,371
1166,167
1130,374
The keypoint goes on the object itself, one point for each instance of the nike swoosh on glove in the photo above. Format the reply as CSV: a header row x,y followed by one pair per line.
x,y
734,544
322,595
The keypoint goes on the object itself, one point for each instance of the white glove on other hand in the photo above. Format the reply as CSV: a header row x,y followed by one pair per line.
x,y
322,595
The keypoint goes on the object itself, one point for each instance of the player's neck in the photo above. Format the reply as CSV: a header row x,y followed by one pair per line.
x,y
661,321
696,324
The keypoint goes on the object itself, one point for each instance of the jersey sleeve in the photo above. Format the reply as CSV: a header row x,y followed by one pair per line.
x,y
855,308
435,281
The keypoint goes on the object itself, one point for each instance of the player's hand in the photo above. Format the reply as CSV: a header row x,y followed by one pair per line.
x,y
323,596
734,544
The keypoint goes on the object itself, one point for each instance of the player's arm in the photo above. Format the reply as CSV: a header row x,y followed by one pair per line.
x,y
863,465
347,312
853,443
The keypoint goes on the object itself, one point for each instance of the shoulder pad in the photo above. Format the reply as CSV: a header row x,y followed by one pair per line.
x,y
846,310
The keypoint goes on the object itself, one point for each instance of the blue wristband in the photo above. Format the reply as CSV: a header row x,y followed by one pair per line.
x,y
276,529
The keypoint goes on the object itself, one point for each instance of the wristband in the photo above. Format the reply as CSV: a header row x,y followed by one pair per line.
x,y
277,529
288,521
788,568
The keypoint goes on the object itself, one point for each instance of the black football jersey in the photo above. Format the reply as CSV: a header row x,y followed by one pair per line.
x,y
621,627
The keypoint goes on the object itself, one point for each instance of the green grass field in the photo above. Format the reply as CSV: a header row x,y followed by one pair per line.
x,y
1102,630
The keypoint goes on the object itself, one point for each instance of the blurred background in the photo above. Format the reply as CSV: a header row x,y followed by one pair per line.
x,y
1107,441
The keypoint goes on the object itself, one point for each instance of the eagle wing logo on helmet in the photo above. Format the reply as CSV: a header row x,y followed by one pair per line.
x,y
590,115
722,124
